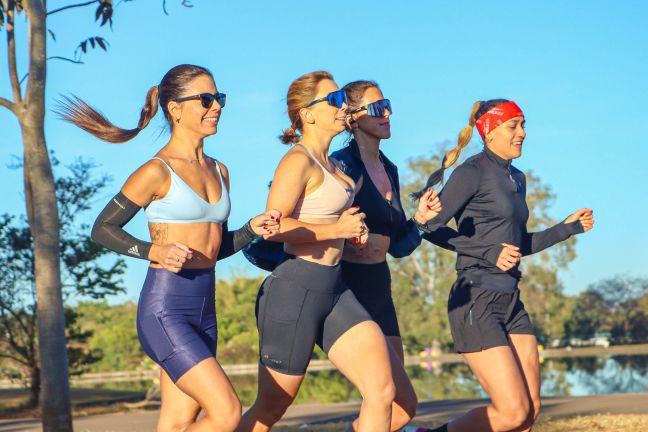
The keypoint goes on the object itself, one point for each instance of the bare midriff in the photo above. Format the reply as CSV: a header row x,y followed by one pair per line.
x,y
375,252
325,252
203,238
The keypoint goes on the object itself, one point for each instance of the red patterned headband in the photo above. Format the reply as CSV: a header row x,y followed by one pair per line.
x,y
496,116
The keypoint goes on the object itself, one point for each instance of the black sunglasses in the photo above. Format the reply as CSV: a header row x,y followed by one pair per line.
x,y
376,109
206,99
336,99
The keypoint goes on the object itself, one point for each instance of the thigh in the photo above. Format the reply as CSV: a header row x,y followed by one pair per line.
x,y
178,409
499,375
276,387
396,345
345,314
362,355
207,384
525,351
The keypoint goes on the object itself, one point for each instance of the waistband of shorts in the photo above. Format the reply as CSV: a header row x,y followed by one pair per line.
x,y
189,282
502,282
310,275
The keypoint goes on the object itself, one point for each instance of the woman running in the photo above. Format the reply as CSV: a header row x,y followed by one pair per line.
x,y
365,270
489,325
304,301
186,200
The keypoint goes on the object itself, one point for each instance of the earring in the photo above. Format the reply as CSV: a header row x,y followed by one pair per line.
x,y
178,120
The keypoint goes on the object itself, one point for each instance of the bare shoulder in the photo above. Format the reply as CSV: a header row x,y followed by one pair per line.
x,y
223,171
146,182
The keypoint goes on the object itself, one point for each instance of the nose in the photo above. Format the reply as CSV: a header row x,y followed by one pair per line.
x,y
387,113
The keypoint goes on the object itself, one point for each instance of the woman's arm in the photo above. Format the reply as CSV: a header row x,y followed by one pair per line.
x,y
139,190
290,182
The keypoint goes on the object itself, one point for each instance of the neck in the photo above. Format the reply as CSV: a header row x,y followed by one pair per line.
x,y
317,143
186,146
506,158
369,147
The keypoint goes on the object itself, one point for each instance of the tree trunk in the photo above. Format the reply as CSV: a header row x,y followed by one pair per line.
x,y
43,219
34,387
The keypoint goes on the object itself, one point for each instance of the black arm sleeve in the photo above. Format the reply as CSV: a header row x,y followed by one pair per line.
x,y
234,241
538,241
460,188
449,239
108,228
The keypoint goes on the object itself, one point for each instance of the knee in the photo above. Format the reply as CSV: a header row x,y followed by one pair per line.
x,y
382,393
515,415
226,417
271,411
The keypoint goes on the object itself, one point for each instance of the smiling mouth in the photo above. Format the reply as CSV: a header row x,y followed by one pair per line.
x,y
211,119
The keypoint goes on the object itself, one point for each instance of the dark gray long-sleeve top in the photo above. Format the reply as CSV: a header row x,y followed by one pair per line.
x,y
486,196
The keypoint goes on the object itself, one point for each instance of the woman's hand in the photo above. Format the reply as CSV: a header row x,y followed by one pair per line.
x,y
509,257
585,216
429,207
267,223
170,256
351,224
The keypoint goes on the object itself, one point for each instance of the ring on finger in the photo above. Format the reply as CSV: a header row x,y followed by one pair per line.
x,y
177,258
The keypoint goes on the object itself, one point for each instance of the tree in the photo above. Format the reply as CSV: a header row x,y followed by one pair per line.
x,y
40,196
589,316
623,296
82,275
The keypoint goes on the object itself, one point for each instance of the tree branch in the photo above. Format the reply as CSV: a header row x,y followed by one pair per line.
x,y
11,53
8,104
72,6
54,58
16,359
64,58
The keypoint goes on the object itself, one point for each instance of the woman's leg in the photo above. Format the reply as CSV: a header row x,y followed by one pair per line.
x,y
361,354
275,394
405,401
500,376
207,384
178,411
525,350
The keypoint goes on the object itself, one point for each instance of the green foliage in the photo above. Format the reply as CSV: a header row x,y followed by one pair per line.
x,y
82,274
238,338
617,306
113,334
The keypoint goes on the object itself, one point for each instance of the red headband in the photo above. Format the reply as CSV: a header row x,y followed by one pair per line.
x,y
496,116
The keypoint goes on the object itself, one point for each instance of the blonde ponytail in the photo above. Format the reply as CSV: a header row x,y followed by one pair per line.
x,y
451,157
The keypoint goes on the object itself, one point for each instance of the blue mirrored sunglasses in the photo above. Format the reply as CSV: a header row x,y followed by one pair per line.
x,y
376,109
336,99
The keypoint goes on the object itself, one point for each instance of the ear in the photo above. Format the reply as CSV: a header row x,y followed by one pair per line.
x,y
174,108
306,116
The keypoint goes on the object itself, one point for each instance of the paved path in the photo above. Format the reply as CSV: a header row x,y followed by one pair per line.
x,y
332,413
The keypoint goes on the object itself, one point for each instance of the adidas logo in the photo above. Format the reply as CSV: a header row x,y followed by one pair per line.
x,y
134,251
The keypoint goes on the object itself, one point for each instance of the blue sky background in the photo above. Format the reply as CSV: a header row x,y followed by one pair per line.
x,y
578,69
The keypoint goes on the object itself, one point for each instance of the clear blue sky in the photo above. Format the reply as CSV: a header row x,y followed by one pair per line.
x,y
578,69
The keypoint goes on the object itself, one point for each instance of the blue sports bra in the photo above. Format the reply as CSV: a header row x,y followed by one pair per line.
x,y
181,204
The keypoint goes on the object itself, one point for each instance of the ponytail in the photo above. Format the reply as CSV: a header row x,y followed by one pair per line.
x,y
290,136
76,111
451,157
